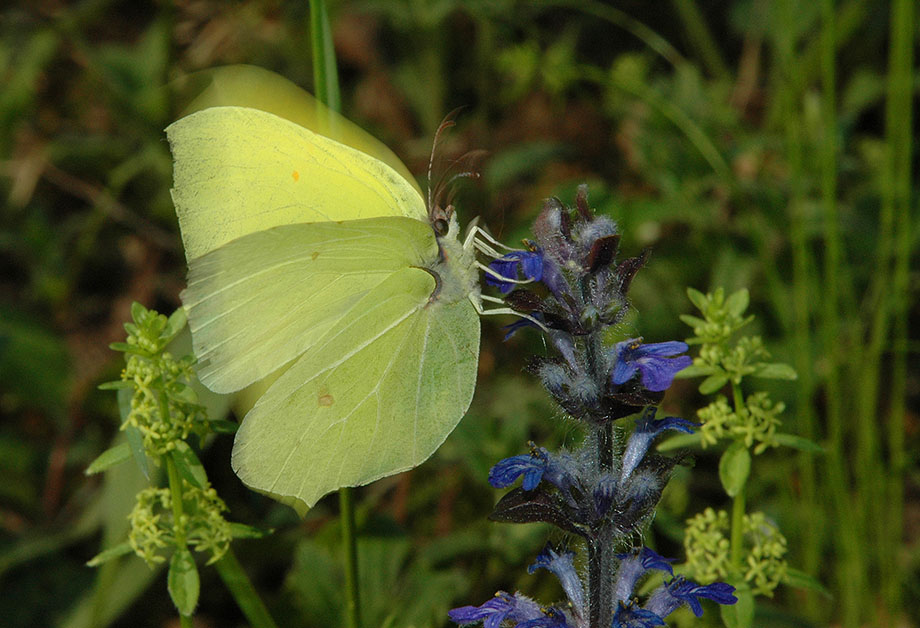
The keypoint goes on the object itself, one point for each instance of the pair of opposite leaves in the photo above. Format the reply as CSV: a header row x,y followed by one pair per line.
x,y
316,277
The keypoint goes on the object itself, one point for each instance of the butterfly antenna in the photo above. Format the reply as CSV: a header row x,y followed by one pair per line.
x,y
470,163
446,123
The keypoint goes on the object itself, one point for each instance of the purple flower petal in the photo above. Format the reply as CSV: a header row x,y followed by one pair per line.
x,y
530,263
562,566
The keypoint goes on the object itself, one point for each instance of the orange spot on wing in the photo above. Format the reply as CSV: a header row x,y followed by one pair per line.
x,y
325,400
296,176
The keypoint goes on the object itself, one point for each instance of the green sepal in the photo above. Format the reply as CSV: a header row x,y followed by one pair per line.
x,y
734,468
801,580
110,554
189,467
182,581
109,458
713,383
775,370
798,442
122,346
680,441
741,613
243,531
118,384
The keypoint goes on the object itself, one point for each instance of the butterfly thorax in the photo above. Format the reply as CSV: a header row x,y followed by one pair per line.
x,y
455,268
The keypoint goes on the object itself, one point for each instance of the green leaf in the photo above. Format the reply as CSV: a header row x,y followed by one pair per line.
x,y
126,348
182,581
799,442
224,427
189,467
243,531
177,320
697,298
775,370
697,370
115,385
741,613
680,441
801,580
713,383
734,467
737,302
692,321
184,394
137,311
136,442
110,554
109,458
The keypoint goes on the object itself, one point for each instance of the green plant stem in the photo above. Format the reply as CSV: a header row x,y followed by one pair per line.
x,y
325,72
830,325
350,550
738,501
899,123
625,21
175,492
701,38
326,85
672,113
239,585
737,536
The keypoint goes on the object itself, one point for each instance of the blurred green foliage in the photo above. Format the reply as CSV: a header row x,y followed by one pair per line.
x,y
764,144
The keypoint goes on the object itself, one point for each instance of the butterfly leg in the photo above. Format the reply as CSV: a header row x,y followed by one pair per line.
x,y
501,277
503,310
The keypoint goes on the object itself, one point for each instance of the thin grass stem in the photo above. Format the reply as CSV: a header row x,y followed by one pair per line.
x,y
326,85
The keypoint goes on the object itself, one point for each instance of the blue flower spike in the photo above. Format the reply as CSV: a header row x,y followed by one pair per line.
x,y
657,363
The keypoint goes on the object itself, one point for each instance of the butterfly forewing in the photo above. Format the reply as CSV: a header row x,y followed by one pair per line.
x,y
239,170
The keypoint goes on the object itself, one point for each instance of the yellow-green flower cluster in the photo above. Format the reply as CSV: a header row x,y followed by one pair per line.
x,y
164,408
153,526
708,550
755,423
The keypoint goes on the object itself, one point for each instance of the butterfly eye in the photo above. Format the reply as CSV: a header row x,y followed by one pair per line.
x,y
440,227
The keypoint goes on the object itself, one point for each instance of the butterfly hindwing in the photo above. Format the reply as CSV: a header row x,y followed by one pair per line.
x,y
376,395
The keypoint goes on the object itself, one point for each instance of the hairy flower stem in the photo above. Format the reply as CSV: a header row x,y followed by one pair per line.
x,y
600,547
